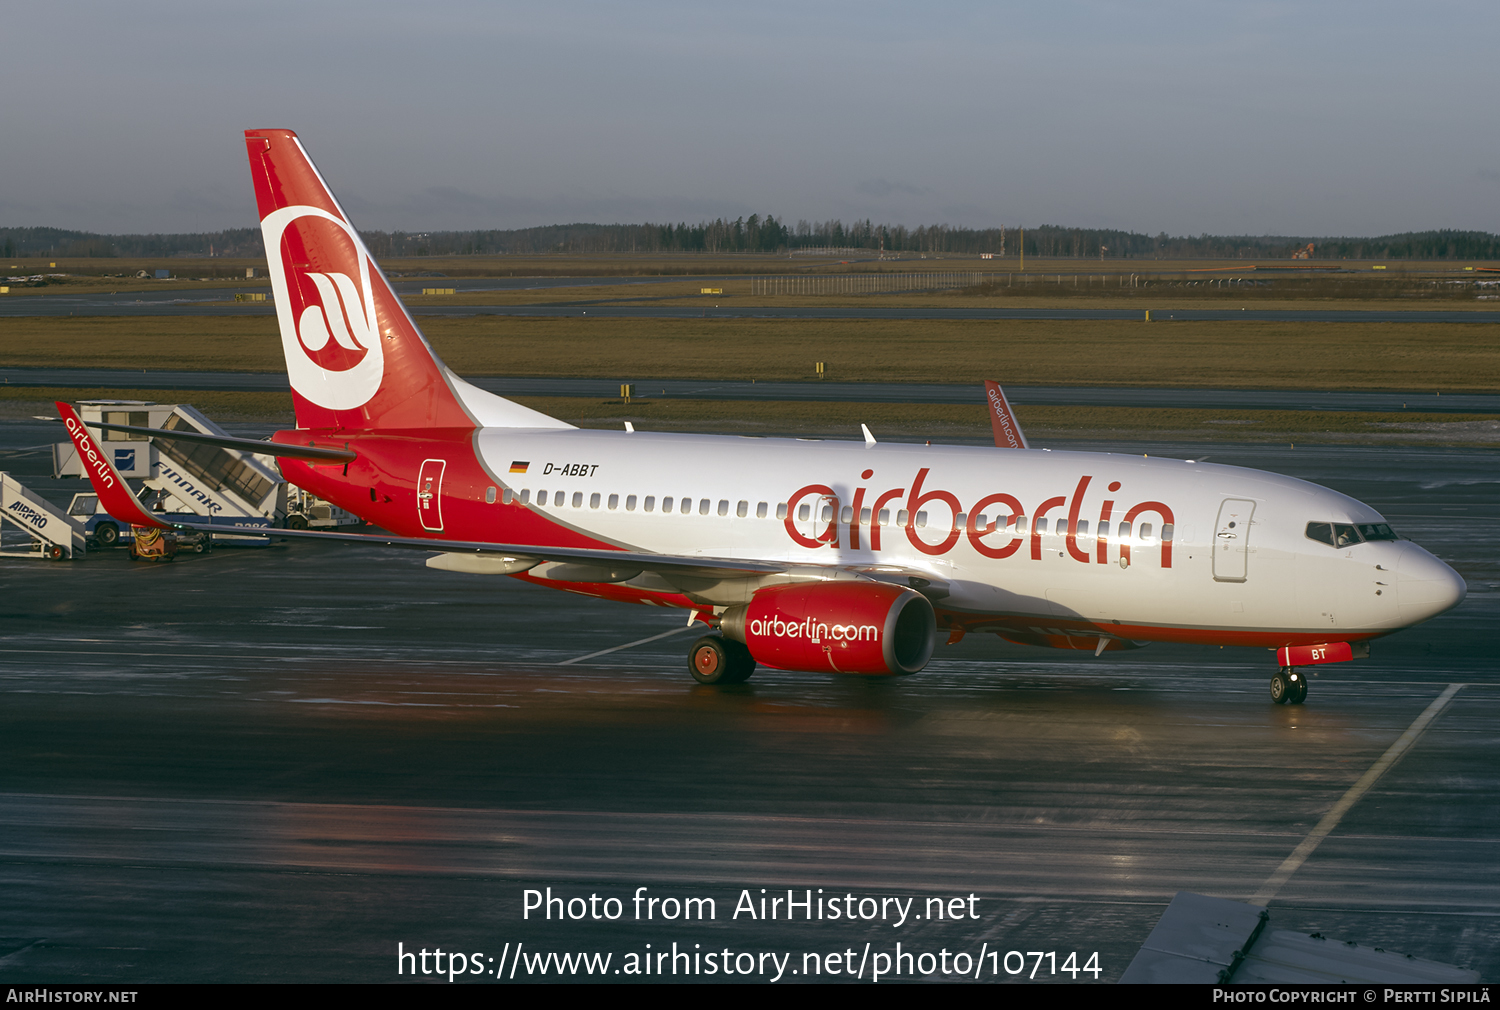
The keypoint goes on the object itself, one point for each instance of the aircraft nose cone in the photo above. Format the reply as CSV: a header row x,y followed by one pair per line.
x,y
1425,586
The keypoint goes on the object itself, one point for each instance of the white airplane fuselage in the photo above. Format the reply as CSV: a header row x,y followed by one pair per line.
x,y
1238,569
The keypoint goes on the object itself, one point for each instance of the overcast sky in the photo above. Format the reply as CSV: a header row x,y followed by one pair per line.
x,y
1248,117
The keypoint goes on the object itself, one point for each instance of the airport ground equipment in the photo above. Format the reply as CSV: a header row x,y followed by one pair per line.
x,y
52,533
152,544
305,510
98,526
102,530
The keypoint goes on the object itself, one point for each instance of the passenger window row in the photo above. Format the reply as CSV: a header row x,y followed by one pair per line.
x,y
669,503
1015,525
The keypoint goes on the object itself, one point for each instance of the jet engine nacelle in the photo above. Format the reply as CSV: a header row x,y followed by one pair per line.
x,y
836,627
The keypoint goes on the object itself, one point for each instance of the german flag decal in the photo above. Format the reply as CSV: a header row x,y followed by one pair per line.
x,y
519,466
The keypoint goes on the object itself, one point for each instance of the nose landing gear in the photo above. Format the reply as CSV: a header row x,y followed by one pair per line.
x,y
1288,687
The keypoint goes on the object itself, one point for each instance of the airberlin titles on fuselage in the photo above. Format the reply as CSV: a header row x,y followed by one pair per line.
x,y
1011,520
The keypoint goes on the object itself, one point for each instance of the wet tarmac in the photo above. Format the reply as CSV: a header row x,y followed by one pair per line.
x,y
278,764
863,392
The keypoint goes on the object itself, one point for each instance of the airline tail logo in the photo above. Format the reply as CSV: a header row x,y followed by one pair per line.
x,y
325,303
330,319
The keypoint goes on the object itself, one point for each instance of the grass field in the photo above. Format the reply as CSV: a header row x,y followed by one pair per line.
x,y
1417,358
1161,296
221,405
1412,357
1031,290
908,421
1163,283
888,420
668,264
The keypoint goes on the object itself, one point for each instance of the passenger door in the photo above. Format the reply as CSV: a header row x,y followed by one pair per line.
x,y
430,494
1232,540
815,526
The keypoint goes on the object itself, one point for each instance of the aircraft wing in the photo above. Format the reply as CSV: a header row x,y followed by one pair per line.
x,y
1008,434
114,493
592,558
705,580
690,573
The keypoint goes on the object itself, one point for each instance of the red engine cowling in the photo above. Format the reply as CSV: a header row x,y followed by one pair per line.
x,y
837,627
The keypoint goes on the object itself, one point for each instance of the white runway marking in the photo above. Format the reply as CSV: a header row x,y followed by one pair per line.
x,y
627,645
1331,819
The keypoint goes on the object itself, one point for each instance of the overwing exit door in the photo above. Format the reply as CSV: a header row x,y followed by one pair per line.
x,y
822,520
430,493
1232,540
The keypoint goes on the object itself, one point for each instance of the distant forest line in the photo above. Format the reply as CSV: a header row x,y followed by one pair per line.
x,y
769,235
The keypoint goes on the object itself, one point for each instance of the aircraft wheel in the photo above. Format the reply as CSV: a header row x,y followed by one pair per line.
x,y
1297,692
108,534
710,662
1281,686
741,663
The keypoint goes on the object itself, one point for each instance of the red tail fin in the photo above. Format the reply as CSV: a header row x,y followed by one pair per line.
x,y
354,356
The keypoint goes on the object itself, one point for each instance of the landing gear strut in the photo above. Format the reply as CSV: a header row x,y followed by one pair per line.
x,y
1288,687
715,660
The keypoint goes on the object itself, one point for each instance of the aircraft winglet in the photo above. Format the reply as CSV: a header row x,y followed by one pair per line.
x,y
1008,434
114,493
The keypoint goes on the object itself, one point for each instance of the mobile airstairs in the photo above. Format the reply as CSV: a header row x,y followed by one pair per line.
x,y
54,535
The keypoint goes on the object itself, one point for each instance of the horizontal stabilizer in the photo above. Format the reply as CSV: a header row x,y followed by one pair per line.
x,y
278,449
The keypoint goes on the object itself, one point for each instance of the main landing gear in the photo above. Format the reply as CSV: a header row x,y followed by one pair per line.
x,y
715,660
1288,687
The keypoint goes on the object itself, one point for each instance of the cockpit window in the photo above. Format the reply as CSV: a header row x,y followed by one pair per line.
x,y
1348,534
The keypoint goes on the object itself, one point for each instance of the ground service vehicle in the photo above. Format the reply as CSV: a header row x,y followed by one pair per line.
x,y
152,543
849,557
